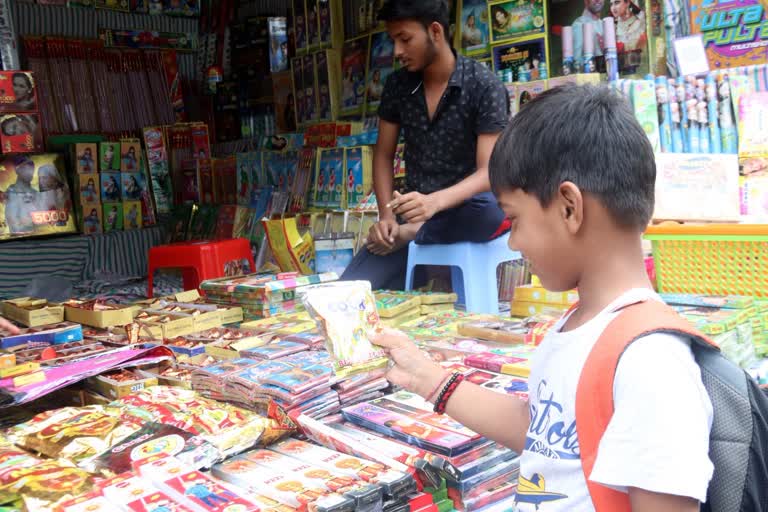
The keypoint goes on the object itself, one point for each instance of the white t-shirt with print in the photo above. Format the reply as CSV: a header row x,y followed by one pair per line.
x,y
658,437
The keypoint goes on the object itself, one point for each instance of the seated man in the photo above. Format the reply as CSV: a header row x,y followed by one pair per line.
x,y
451,111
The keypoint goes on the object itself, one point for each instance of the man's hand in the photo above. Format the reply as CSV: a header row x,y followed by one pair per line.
x,y
415,207
8,326
382,237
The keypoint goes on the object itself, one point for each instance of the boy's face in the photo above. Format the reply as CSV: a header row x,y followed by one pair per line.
x,y
545,236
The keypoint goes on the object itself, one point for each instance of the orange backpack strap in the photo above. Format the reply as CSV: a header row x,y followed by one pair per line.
x,y
594,394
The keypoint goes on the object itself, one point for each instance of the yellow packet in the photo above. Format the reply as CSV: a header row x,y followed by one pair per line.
x,y
346,313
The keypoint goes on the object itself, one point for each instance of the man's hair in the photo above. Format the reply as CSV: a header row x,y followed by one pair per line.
x,y
424,11
587,135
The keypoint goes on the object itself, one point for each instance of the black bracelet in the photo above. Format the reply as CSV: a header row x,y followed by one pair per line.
x,y
442,399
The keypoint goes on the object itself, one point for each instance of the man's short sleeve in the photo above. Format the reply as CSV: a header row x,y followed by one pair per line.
x,y
493,112
389,108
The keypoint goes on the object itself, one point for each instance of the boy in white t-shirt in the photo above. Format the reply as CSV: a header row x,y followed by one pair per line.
x,y
575,173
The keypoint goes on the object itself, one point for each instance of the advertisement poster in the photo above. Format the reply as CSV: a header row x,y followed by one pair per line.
x,y
353,68
34,197
631,18
381,65
520,56
18,92
278,45
735,31
282,92
473,27
514,19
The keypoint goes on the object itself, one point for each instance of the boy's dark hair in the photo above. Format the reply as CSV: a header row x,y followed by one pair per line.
x,y
424,11
587,135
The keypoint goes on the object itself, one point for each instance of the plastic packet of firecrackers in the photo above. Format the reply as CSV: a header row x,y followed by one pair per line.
x,y
75,433
230,429
346,314
39,484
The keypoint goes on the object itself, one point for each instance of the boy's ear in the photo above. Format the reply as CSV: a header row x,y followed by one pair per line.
x,y
571,205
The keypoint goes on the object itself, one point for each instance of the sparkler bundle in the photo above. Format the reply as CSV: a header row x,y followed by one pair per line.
x,y
85,88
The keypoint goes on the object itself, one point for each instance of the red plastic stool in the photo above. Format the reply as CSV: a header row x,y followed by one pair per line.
x,y
200,261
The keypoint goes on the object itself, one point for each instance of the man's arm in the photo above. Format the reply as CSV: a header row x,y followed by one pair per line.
x,y
476,182
416,207
383,235
383,172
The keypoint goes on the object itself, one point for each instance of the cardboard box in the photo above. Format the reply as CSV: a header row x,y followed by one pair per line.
x,y
71,396
47,315
542,295
154,372
208,318
396,321
92,398
187,296
112,389
29,378
193,363
524,309
231,315
188,351
7,360
180,326
62,333
19,369
226,350
431,309
101,319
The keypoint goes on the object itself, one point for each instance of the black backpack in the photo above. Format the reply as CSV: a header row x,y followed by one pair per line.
x,y
738,444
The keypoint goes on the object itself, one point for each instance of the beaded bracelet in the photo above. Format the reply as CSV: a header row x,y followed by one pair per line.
x,y
442,399
432,397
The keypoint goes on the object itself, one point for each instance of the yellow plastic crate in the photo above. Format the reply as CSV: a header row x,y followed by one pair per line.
x,y
711,259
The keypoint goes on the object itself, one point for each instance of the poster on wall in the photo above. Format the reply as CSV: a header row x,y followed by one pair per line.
x,y
630,22
282,94
278,45
734,31
353,71
526,56
473,28
34,197
381,65
512,19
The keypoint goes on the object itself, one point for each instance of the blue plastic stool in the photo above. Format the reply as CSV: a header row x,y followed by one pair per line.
x,y
473,269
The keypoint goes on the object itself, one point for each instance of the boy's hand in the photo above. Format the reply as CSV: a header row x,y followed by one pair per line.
x,y
413,370
8,326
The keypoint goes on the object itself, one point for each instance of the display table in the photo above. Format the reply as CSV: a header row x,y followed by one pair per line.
x,y
75,258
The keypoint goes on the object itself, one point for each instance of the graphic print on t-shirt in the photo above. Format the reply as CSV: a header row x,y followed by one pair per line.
x,y
534,491
548,433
